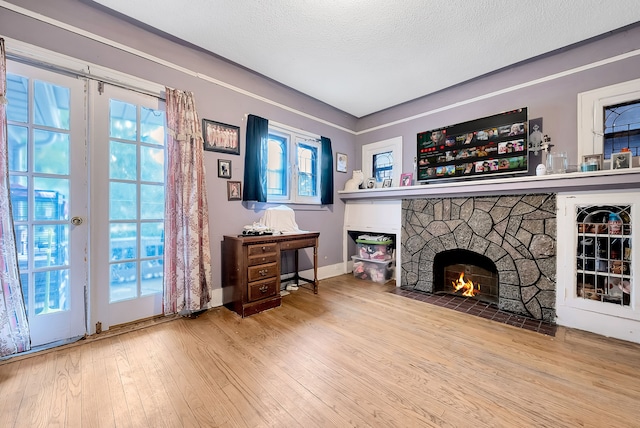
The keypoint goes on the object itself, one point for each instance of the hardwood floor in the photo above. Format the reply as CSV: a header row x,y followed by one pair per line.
x,y
352,355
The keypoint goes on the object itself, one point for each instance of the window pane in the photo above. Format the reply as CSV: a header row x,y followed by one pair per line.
x,y
152,269
51,196
51,105
18,97
51,291
123,118
123,238
122,161
51,152
151,202
19,197
22,245
151,164
307,170
123,201
18,153
50,245
152,126
122,281
622,128
383,166
276,166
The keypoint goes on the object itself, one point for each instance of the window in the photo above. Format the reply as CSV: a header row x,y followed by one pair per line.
x,y
293,166
383,165
622,128
383,160
602,113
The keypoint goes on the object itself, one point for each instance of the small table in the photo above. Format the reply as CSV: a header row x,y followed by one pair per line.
x,y
251,267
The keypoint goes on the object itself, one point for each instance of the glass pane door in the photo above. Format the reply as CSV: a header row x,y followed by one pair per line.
x,y
130,170
48,176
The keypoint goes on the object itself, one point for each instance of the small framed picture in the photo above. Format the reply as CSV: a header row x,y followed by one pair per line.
x,y
369,183
592,162
234,191
224,168
220,137
621,160
341,162
406,179
386,182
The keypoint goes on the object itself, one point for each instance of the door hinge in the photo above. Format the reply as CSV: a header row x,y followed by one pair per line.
x,y
101,88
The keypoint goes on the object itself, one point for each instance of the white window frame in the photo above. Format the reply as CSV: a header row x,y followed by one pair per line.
x,y
591,105
294,137
369,151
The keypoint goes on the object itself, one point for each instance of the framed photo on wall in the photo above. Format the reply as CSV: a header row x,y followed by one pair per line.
x,y
234,191
220,137
621,160
341,162
224,168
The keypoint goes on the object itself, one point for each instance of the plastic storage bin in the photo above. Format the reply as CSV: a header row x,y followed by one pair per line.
x,y
373,270
374,250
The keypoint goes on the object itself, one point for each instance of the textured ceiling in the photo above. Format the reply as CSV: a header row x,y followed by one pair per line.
x,y
363,56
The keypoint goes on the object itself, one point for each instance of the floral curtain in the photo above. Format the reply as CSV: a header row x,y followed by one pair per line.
x,y
187,257
14,328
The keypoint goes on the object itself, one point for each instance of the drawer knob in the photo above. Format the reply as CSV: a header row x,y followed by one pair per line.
x,y
263,272
264,249
264,289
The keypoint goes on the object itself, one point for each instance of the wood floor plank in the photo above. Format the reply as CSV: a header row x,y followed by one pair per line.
x,y
352,355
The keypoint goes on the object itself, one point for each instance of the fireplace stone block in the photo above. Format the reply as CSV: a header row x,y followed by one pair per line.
x,y
516,232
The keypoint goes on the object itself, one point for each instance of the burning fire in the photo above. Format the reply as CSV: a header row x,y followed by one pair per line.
x,y
467,287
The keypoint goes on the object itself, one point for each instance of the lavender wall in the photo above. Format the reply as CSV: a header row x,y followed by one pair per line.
x,y
213,102
555,101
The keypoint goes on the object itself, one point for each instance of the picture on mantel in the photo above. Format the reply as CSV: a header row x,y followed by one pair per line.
x,y
535,138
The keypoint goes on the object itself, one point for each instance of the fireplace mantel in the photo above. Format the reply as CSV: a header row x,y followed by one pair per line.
x,y
555,183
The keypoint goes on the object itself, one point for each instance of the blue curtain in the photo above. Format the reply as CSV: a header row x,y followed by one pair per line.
x,y
255,160
326,184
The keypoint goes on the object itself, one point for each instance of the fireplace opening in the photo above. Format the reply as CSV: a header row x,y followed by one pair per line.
x,y
465,273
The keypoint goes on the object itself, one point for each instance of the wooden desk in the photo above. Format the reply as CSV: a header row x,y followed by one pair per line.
x,y
252,266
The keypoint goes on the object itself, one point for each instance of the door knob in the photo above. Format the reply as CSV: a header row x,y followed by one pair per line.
x,y
76,221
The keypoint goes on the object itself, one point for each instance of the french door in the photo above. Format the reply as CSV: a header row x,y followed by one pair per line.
x,y
48,184
88,208
128,171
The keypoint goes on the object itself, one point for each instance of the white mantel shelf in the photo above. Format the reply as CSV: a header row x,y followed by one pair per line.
x,y
555,183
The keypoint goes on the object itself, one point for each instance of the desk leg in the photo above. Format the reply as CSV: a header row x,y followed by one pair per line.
x,y
297,277
315,269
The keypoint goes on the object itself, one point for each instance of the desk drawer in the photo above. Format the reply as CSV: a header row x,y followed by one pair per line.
x,y
262,259
255,273
258,249
262,289
298,243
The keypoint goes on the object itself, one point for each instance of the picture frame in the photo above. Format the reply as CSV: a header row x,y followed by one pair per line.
x,y
588,159
341,162
234,191
621,160
406,179
369,183
221,137
386,182
224,168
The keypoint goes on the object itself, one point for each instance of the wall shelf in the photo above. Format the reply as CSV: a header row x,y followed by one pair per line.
x,y
555,183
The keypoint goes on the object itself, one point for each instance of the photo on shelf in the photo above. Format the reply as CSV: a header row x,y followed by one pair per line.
x,y
621,160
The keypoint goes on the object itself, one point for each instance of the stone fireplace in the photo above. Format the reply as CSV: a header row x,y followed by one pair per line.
x,y
512,238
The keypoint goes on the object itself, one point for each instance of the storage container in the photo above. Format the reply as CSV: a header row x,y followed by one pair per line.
x,y
373,270
374,250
